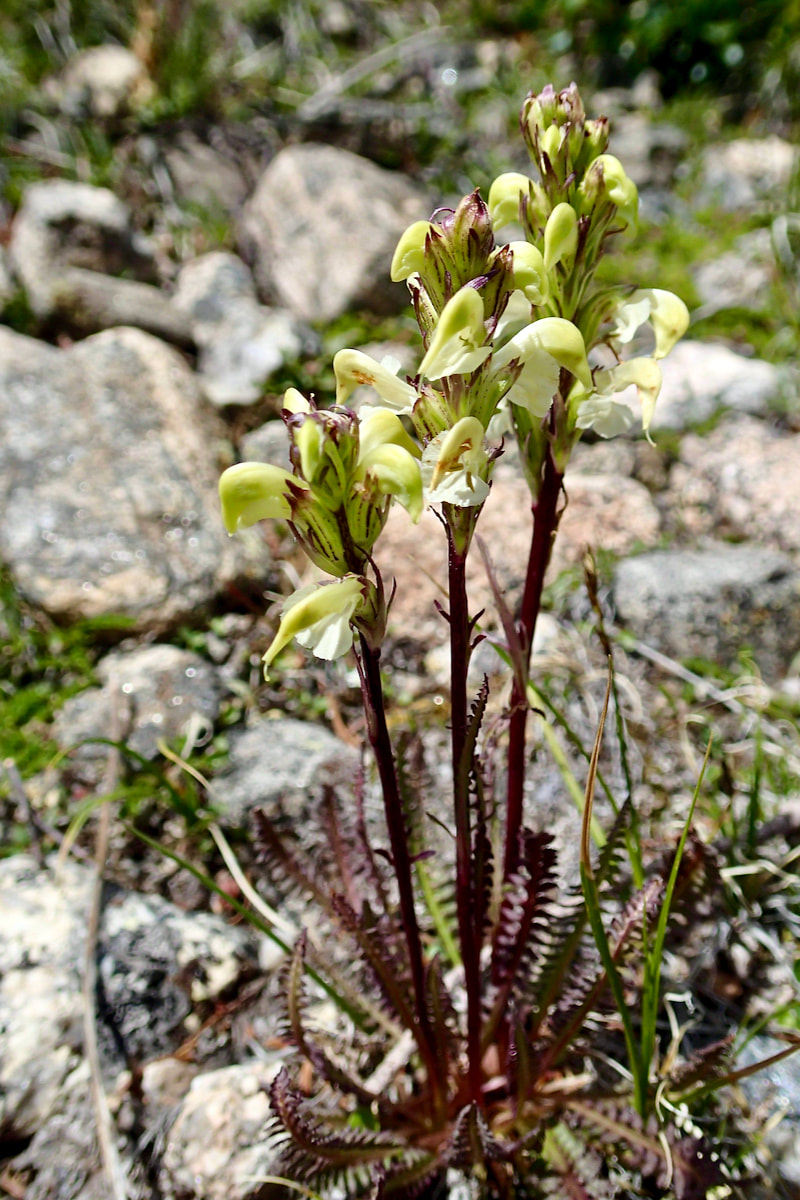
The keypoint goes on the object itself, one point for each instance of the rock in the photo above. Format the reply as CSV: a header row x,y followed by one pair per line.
x,y
269,443
321,229
88,302
7,286
278,762
649,150
739,279
63,1158
62,224
108,481
217,1146
207,286
161,690
746,172
156,964
203,176
700,378
713,603
43,916
725,482
103,81
604,511
241,343
770,1092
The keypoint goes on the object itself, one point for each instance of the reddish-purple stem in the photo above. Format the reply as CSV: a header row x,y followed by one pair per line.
x,y
470,949
372,691
545,521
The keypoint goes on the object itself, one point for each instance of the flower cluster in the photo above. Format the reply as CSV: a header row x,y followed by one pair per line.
x,y
509,330
345,473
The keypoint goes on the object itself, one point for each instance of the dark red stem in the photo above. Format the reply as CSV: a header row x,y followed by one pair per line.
x,y
372,692
470,948
545,522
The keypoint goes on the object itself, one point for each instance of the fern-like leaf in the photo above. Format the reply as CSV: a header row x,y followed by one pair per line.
x,y
314,1151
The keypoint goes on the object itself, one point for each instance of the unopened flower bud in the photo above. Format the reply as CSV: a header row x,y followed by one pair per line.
x,y
506,195
560,236
606,180
528,272
595,138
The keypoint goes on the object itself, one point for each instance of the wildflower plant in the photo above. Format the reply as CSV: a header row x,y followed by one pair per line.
x,y
476,988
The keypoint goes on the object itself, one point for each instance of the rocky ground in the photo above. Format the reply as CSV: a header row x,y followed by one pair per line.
x,y
130,373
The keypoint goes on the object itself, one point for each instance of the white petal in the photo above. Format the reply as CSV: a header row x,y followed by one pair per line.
x,y
537,383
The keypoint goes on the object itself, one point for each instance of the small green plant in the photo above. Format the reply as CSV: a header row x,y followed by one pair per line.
x,y
479,991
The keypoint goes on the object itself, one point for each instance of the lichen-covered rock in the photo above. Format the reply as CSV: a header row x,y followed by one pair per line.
x,y
157,963
108,480
321,228
217,1147
43,916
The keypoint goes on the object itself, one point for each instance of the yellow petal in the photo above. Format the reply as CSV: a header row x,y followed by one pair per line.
x,y
251,492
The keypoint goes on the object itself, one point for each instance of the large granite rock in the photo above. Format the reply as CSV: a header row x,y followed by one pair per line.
x,y
701,378
108,480
321,228
741,480
713,603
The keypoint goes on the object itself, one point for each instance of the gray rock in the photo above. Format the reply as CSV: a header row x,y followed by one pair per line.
x,y
279,762
108,481
773,1091
713,603
241,343
203,176
269,443
103,81
62,1161
726,482
739,279
700,378
88,302
321,229
746,172
157,963
162,690
43,916
650,150
64,224
207,286
7,287
217,1146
